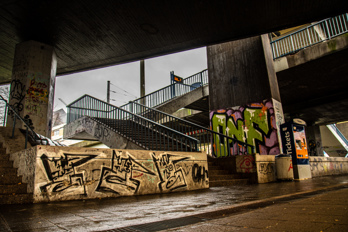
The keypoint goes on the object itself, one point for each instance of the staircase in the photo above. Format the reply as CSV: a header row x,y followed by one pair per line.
x,y
154,137
219,175
12,190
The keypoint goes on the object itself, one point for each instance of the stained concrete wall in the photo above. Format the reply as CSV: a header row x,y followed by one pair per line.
x,y
325,166
32,85
241,72
265,166
67,173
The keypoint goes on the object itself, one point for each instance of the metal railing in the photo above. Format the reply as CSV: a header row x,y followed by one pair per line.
x,y
205,136
308,36
142,131
29,132
174,90
338,134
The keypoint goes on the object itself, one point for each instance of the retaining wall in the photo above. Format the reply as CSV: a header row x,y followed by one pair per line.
x,y
325,166
68,173
264,166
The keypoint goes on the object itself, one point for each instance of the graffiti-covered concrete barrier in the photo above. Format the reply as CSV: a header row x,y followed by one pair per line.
x,y
68,173
325,166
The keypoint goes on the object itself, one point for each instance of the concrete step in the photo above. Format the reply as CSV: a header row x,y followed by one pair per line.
x,y
10,179
16,199
220,183
7,171
222,177
6,164
214,167
218,172
10,189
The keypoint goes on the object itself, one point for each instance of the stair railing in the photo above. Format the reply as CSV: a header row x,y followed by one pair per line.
x,y
171,91
205,136
28,131
142,131
315,33
339,136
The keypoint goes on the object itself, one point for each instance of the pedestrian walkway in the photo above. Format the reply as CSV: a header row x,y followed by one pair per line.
x,y
320,202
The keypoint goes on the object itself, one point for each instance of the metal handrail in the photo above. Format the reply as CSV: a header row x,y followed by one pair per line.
x,y
205,136
310,35
338,134
171,91
130,125
16,115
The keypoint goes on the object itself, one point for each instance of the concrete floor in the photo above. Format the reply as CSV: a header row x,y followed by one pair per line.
x,y
213,207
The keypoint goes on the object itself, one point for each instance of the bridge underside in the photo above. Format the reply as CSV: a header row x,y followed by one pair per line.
x,y
315,91
89,34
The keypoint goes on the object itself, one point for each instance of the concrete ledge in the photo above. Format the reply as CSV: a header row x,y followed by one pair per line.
x,y
70,173
325,166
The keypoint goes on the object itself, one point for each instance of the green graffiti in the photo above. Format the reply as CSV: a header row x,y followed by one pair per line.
x,y
254,117
219,125
248,130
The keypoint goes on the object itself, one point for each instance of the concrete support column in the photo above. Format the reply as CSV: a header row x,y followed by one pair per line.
x,y
32,85
244,98
241,72
314,143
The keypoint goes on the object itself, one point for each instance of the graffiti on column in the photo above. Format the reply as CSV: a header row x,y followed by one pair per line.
x,y
37,95
254,124
17,95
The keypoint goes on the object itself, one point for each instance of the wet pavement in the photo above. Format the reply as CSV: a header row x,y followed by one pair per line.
x,y
155,212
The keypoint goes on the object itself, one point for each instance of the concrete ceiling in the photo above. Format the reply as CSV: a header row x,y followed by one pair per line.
x,y
88,34
316,91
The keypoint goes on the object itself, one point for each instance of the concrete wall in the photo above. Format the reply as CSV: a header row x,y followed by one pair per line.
x,y
67,173
265,169
325,166
256,124
262,165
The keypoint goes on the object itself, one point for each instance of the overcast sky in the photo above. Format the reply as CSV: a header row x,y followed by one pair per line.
x,y
125,79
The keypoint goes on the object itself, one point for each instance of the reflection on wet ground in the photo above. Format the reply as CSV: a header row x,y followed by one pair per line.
x,y
103,214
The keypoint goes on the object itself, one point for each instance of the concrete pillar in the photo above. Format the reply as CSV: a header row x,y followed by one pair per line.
x,y
314,143
244,98
32,85
241,72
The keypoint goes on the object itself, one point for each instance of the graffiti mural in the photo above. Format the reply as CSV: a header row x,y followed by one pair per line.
x,y
65,173
62,173
254,124
120,177
171,176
